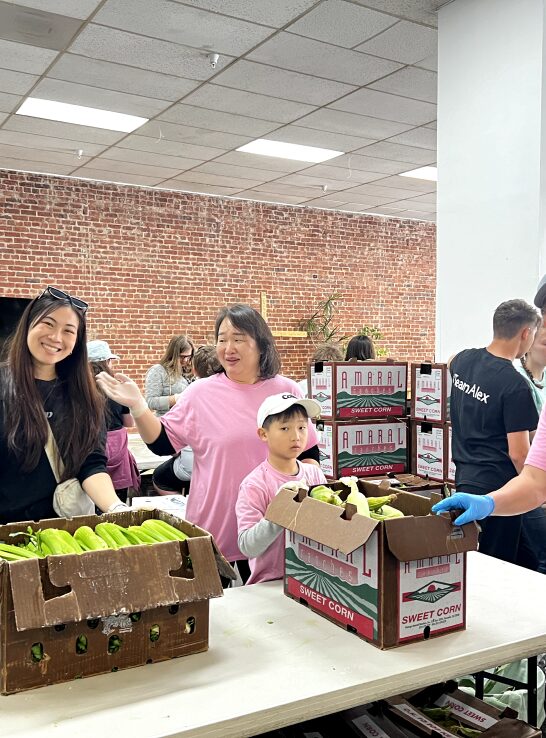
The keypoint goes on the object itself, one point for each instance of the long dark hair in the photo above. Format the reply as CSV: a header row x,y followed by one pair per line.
x,y
249,321
361,348
25,424
170,361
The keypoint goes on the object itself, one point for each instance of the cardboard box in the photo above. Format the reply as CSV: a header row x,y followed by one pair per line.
x,y
391,582
431,450
363,448
359,389
405,482
430,390
102,596
369,721
469,711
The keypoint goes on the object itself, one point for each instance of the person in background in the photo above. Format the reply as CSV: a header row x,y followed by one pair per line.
x,y
492,416
120,462
283,426
165,381
46,380
169,475
360,348
216,416
531,366
328,351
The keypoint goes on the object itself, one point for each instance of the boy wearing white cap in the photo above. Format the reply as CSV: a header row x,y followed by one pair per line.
x,y
283,425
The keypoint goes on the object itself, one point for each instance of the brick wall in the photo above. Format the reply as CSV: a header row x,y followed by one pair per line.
x,y
153,264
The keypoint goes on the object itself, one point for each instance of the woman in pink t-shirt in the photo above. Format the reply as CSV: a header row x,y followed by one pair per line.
x,y
216,416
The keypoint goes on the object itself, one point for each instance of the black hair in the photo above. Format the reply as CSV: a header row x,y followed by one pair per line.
x,y
361,348
292,412
513,315
249,321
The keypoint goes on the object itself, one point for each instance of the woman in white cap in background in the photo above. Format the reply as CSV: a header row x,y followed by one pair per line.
x,y
121,464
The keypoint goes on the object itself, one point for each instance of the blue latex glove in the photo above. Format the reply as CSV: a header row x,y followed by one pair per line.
x,y
476,507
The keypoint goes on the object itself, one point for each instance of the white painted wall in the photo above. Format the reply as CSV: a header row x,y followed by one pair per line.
x,y
491,177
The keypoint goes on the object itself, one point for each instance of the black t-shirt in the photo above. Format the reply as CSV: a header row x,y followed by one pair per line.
x,y
489,399
114,415
29,495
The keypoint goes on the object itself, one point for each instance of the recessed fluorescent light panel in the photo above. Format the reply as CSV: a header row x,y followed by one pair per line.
x,y
288,151
80,115
422,173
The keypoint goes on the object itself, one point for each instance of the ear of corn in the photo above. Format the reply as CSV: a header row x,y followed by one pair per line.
x,y
8,552
111,535
376,502
88,539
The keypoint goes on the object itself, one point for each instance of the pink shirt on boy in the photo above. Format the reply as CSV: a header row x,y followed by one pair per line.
x,y
256,492
217,418
537,453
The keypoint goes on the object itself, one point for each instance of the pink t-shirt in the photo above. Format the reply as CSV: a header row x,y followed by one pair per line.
x,y
256,492
217,418
537,452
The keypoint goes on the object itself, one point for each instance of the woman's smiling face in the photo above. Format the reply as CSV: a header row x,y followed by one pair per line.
x,y
51,339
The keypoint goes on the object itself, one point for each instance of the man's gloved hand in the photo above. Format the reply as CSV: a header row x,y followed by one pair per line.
x,y
476,507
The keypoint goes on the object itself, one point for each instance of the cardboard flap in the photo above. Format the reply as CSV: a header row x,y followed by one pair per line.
x,y
431,535
320,521
104,582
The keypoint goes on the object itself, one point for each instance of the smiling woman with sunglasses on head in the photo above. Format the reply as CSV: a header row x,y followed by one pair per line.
x,y
165,381
46,379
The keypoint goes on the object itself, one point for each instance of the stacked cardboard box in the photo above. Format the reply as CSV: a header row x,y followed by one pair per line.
x,y
67,617
363,424
392,581
430,429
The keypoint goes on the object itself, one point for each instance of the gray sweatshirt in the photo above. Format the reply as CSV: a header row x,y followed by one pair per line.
x,y
158,385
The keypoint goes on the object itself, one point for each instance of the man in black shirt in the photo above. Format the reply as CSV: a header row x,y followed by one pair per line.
x,y
492,414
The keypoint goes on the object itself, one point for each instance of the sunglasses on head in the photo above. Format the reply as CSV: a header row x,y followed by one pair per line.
x,y
60,295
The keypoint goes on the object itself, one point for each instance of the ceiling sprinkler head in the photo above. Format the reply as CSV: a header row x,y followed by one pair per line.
x,y
324,187
213,60
79,153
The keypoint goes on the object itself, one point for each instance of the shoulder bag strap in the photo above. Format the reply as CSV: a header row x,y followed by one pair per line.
x,y
53,455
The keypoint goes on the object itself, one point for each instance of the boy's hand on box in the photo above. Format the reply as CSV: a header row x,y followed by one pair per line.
x,y
476,507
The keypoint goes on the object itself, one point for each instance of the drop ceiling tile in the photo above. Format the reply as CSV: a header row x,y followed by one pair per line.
x,y
322,139
300,54
163,147
410,154
282,189
404,42
75,8
25,58
18,83
385,210
47,143
390,107
412,204
246,75
371,164
422,11
217,121
229,100
122,178
187,134
127,167
424,138
417,215
327,202
229,170
430,198
109,44
432,124
96,73
36,27
382,195
145,157
361,203
56,129
68,159
339,121
342,23
213,179
8,102
431,62
3,117
273,198
29,165
183,186
419,84
408,183
182,24
275,14
317,183
94,97
269,163
351,176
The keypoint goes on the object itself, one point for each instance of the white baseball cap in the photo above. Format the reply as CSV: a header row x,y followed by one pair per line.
x,y
275,404
99,351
